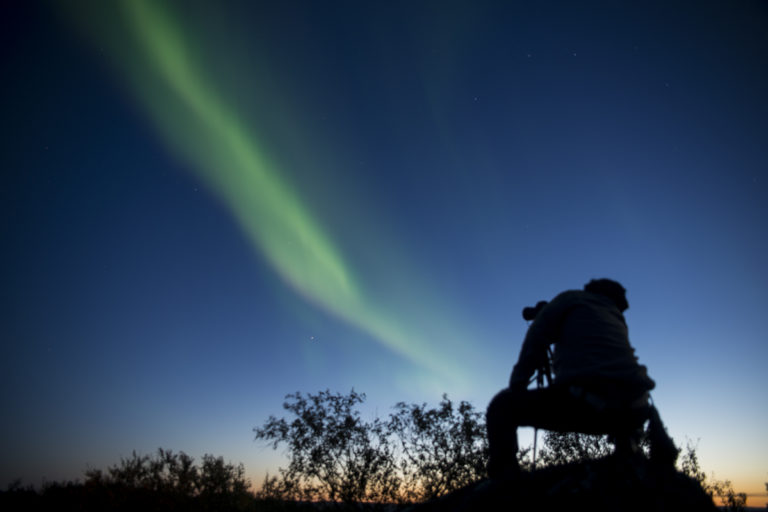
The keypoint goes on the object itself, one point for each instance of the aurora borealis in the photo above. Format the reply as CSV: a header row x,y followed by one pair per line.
x,y
194,118
209,205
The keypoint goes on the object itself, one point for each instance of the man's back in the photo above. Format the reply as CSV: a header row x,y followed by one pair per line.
x,y
590,339
594,342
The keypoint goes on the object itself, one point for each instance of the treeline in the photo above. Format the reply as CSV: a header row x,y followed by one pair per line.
x,y
166,481
335,456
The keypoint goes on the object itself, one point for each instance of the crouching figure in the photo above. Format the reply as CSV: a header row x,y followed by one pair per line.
x,y
598,386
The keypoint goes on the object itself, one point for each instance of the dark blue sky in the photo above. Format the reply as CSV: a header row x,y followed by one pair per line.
x,y
205,208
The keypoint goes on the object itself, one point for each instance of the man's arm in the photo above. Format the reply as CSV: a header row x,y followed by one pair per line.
x,y
544,331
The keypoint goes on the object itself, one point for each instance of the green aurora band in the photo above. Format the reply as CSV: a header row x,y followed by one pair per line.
x,y
193,117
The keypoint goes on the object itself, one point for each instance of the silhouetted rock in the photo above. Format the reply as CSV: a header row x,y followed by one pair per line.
x,y
608,484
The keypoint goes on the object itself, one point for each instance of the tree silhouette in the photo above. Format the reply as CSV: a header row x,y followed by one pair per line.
x,y
442,449
731,500
334,454
419,453
568,447
171,480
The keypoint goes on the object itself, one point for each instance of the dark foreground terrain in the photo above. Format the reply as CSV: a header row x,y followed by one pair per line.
x,y
606,484
603,485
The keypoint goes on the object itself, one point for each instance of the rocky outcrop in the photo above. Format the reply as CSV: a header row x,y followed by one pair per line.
x,y
608,484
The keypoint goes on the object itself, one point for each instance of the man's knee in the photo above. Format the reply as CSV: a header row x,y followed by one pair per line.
x,y
497,405
550,408
503,406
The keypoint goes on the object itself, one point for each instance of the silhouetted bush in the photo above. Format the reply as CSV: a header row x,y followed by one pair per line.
x,y
419,453
569,447
334,454
440,449
164,482
731,500
170,480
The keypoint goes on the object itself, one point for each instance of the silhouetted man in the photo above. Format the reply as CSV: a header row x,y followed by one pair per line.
x,y
598,385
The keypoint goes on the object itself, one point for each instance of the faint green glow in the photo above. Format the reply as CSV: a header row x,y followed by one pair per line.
x,y
270,214
196,120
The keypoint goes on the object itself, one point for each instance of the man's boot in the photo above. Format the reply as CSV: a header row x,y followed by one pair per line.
x,y
663,450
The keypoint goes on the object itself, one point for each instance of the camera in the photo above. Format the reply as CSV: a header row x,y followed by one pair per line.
x,y
530,312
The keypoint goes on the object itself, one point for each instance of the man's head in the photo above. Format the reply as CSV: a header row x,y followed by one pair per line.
x,y
610,289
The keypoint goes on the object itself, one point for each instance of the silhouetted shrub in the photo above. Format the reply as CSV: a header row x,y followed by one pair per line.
x,y
568,447
417,454
721,489
334,454
441,449
164,482
174,475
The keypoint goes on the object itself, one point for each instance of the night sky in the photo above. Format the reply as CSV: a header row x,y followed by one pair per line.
x,y
205,206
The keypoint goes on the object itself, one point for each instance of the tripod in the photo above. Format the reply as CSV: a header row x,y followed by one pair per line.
x,y
543,373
